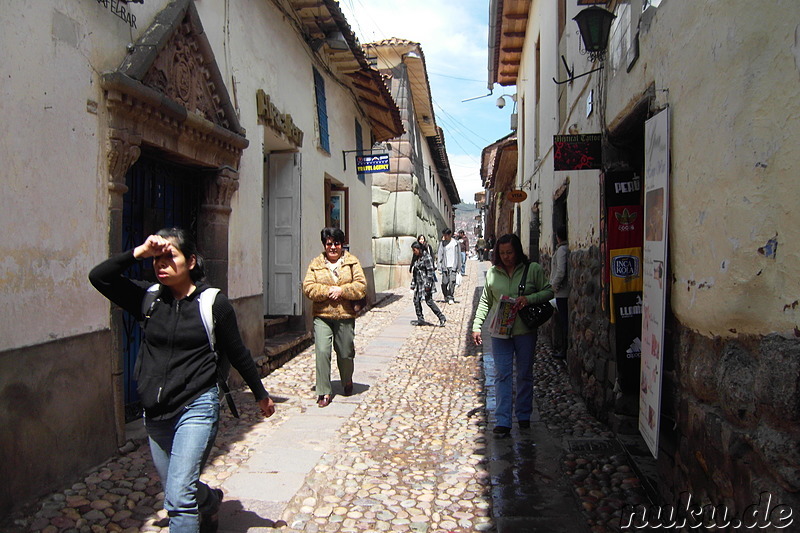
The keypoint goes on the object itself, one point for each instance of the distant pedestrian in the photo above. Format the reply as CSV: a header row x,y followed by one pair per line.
x,y
490,248
426,247
504,279
449,263
480,248
423,284
463,242
334,280
559,280
176,370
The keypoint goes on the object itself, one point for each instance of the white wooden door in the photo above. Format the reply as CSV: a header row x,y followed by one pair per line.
x,y
281,235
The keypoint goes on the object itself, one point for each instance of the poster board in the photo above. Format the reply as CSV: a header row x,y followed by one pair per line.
x,y
654,294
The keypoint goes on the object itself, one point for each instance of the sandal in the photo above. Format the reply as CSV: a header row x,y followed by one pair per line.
x,y
323,400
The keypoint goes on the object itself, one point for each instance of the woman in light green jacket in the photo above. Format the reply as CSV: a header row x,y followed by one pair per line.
x,y
504,279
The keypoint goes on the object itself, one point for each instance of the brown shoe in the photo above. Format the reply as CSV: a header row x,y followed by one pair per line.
x,y
323,400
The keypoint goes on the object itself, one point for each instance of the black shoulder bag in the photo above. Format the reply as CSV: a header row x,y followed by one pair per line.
x,y
533,315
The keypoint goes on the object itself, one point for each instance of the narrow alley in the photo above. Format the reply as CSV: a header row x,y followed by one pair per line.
x,y
411,450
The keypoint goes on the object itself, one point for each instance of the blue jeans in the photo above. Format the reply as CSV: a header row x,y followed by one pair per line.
x,y
180,447
463,263
505,352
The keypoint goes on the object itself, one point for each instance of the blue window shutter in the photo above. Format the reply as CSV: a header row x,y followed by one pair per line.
x,y
359,147
322,111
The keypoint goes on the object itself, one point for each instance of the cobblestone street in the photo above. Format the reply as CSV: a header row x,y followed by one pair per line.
x,y
409,451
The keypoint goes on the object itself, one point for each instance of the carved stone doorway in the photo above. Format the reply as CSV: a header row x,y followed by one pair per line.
x,y
168,99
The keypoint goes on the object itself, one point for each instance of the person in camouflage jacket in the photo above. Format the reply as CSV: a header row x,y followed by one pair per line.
x,y
423,284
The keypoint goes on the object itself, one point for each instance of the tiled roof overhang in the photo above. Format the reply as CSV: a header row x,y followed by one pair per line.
x,y
508,22
318,18
393,52
499,162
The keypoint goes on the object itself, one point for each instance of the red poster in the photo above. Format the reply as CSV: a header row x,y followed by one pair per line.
x,y
625,227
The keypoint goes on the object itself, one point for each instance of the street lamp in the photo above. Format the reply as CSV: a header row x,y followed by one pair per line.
x,y
594,23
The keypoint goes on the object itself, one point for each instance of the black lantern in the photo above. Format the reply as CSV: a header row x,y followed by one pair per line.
x,y
594,24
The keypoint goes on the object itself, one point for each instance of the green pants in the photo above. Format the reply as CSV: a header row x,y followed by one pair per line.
x,y
340,334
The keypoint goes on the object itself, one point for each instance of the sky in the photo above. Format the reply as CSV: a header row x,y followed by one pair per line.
x,y
453,35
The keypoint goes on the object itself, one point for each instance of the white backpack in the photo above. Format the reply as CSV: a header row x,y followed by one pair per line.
x,y
206,302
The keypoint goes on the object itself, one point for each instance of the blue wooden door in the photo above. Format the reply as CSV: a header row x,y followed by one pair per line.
x,y
160,194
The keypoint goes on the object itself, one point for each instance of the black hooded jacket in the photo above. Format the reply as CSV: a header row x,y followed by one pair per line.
x,y
175,364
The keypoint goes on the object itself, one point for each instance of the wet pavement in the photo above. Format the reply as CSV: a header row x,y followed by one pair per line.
x,y
411,450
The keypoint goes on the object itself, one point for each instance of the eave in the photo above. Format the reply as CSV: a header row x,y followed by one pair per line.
x,y
318,18
506,39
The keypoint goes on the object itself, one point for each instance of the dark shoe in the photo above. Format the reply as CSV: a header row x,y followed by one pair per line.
x,y
209,523
524,424
501,431
323,400
348,389
420,323
442,321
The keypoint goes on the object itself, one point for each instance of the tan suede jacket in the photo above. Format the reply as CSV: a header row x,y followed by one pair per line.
x,y
319,279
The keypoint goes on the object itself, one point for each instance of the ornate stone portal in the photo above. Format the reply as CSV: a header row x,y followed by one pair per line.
x,y
168,97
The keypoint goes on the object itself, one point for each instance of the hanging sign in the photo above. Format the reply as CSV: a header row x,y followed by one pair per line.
x,y
577,152
369,164
516,196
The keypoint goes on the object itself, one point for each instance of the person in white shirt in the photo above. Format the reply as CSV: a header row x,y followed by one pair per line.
x,y
449,261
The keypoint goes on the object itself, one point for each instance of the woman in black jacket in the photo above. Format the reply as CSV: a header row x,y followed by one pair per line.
x,y
176,369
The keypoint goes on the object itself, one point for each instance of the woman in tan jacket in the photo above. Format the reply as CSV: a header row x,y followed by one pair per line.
x,y
333,282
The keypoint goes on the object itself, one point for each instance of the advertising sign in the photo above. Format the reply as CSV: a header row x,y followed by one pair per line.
x,y
577,152
625,231
628,333
516,196
369,164
656,211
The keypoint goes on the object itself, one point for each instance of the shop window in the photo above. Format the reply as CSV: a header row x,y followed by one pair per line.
x,y
337,210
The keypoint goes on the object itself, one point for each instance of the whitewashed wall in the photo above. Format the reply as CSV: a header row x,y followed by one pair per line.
x,y
54,205
733,95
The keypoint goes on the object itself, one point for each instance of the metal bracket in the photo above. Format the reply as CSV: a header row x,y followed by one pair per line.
x,y
571,73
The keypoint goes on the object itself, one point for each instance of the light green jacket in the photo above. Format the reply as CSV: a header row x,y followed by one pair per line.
x,y
498,284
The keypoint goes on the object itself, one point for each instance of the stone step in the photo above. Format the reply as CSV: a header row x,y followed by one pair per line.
x,y
283,342
275,325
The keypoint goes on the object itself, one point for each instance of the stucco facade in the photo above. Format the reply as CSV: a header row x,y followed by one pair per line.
x,y
731,341
105,92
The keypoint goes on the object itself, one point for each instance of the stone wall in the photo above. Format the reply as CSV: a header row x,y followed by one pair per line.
x,y
397,218
592,367
730,407
737,421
